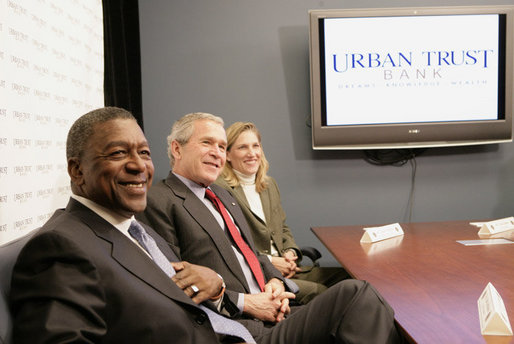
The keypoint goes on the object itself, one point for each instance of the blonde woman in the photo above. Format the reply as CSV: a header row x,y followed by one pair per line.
x,y
245,176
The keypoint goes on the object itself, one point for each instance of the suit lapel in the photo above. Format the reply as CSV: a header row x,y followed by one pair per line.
x,y
241,198
239,194
205,219
131,257
266,204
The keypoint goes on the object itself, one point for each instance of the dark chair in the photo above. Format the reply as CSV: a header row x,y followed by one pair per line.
x,y
8,255
312,253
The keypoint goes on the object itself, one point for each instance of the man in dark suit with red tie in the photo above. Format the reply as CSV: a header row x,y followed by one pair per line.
x,y
203,224
82,278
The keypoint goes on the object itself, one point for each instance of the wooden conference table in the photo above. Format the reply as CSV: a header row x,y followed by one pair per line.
x,y
431,281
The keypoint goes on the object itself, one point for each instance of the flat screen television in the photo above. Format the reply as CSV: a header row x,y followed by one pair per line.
x,y
411,77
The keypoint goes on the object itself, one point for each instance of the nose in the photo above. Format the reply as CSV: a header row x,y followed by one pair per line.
x,y
217,151
136,164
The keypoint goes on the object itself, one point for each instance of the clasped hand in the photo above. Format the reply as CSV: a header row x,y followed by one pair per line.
x,y
286,264
270,305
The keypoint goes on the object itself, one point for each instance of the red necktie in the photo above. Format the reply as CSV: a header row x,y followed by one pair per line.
x,y
250,257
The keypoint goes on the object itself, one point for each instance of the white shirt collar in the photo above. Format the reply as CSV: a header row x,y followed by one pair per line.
x,y
120,222
197,189
245,178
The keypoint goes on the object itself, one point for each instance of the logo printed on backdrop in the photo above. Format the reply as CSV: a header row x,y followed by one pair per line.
x,y
45,193
43,119
45,90
60,99
59,77
56,9
23,197
40,70
18,35
58,32
22,90
44,217
21,171
17,8
73,20
40,46
23,224
62,122
20,143
19,62
43,144
42,95
21,116
44,169
39,22
58,54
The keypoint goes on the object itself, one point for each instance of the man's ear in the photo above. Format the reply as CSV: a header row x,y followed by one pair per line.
x,y
75,171
176,150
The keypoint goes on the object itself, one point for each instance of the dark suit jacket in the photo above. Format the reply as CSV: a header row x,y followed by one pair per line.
x,y
191,229
188,226
275,226
81,280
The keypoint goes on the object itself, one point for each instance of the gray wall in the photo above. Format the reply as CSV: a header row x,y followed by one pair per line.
x,y
248,60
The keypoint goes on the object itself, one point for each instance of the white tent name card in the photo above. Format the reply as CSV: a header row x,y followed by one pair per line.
x,y
497,226
493,315
373,234
377,247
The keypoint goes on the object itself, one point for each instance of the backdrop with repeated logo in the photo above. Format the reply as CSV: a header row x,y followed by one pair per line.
x,y
51,72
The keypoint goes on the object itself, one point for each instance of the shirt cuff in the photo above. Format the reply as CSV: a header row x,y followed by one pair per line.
x,y
241,303
218,303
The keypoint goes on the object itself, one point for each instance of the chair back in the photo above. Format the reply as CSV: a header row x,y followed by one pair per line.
x,y
8,255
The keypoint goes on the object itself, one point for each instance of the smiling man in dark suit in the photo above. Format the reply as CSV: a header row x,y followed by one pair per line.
x,y
197,224
84,278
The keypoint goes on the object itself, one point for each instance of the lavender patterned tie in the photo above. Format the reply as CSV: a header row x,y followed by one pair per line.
x,y
219,323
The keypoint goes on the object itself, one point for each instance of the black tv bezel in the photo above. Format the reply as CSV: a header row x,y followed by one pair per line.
x,y
411,135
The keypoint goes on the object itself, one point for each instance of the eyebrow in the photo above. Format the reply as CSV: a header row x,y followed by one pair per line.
x,y
212,138
124,144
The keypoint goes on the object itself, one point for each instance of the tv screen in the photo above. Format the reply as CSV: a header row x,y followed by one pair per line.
x,y
411,77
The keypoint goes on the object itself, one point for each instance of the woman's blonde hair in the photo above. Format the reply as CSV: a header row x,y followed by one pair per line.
x,y
261,178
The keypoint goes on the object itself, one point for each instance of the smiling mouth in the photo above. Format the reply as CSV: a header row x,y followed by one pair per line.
x,y
212,164
133,185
